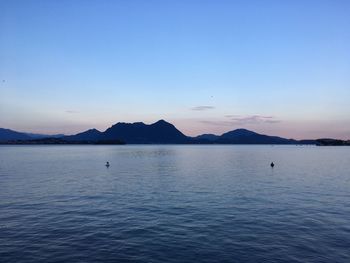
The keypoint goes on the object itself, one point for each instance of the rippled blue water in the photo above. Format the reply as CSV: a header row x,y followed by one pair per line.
x,y
174,204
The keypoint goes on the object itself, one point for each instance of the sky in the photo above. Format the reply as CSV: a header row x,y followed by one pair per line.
x,y
207,66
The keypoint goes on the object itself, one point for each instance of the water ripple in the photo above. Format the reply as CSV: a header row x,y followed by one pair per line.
x,y
174,204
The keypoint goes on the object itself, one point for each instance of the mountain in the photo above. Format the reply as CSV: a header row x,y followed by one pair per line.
x,y
160,132
243,136
133,133
11,135
140,133
164,132
207,137
8,135
42,136
332,142
88,136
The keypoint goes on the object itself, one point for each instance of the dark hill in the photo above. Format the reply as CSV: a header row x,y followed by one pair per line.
x,y
42,136
208,137
138,132
91,135
160,132
7,135
332,142
243,136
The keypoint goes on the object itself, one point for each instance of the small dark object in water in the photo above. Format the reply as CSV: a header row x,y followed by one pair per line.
x,y
272,164
107,164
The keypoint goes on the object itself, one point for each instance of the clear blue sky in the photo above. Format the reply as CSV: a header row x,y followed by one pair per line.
x,y
277,67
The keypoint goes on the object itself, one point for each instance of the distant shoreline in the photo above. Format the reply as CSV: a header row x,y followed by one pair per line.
x,y
41,142
128,144
160,132
58,141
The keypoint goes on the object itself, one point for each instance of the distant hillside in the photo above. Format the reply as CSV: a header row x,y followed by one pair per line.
x,y
332,142
134,133
208,137
89,135
41,136
7,134
243,136
160,132
138,132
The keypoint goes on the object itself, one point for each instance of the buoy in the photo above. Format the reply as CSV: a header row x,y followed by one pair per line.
x,y
272,164
107,164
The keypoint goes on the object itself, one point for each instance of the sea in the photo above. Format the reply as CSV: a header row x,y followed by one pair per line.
x,y
174,203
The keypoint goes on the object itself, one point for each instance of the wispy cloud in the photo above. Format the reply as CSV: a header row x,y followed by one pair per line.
x,y
72,111
231,120
202,108
252,119
218,123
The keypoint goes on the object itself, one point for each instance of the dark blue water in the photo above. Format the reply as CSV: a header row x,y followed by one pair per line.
x,y
174,204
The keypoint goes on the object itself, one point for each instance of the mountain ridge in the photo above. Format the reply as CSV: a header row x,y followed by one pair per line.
x,y
139,133
159,132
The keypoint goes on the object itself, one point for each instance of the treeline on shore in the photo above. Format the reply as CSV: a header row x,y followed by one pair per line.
x,y
61,141
332,142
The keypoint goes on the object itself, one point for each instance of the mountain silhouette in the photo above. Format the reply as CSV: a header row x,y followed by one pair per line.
x,y
42,136
139,133
160,132
243,136
91,135
208,137
8,135
11,135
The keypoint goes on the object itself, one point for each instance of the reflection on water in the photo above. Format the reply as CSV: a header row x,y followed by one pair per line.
x,y
174,204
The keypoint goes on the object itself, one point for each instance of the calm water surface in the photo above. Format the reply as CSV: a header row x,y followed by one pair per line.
x,y
174,204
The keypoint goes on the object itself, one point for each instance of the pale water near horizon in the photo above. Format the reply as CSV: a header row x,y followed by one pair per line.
x,y
174,203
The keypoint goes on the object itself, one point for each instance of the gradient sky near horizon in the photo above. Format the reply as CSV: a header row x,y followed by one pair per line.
x,y
275,67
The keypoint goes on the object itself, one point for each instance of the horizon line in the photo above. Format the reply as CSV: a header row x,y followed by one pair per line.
x,y
205,133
